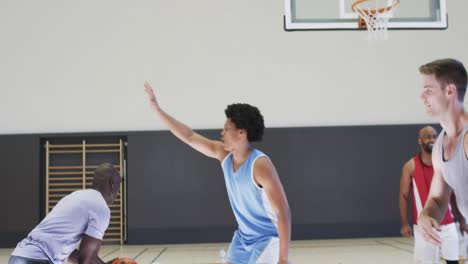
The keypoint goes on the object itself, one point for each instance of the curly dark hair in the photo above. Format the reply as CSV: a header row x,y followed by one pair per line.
x,y
248,117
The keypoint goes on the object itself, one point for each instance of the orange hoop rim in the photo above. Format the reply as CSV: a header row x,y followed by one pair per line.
x,y
373,11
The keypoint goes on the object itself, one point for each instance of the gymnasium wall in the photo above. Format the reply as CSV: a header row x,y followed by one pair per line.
x,y
342,112
20,195
341,182
79,66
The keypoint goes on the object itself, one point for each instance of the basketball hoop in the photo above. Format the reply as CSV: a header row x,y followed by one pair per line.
x,y
374,15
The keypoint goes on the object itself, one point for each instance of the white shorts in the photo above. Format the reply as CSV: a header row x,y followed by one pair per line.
x,y
427,253
463,242
270,254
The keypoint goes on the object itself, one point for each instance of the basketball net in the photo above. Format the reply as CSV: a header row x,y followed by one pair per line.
x,y
374,16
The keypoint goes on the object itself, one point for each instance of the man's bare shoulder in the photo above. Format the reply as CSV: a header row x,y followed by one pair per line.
x,y
408,168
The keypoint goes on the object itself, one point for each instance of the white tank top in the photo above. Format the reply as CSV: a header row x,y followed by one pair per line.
x,y
455,170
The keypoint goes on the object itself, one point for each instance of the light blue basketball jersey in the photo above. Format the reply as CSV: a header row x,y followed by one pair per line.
x,y
256,220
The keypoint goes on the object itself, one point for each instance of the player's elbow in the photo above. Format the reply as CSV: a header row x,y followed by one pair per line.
x,y
285,212
403,197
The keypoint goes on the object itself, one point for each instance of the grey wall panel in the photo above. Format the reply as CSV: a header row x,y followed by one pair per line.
x,y
340,181
20,180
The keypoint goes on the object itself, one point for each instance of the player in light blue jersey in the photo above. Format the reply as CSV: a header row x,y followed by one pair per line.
x,y
254,189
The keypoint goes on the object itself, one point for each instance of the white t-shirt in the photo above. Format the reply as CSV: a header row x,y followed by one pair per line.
x,y
60,232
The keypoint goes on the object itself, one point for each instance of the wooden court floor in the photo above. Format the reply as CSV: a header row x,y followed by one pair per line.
x,y
343,251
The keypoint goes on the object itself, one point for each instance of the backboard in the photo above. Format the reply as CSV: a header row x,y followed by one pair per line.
x,y
337,15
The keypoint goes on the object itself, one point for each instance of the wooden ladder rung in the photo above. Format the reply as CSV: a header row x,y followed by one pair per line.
x,y
68,178
67,184
63,190
57,195
65,146
76,167
102,145
66,173
102,150
95,166
112,239
112,234
65,167
65,151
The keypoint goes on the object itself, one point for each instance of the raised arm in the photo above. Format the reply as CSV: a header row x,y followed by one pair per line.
x,y
266,176
211,148
405,187
437,202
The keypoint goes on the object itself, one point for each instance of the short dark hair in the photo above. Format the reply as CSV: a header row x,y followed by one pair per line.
x,y
102,174
448,71
248,117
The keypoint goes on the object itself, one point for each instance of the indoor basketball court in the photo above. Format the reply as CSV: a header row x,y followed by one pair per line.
x,y
236,132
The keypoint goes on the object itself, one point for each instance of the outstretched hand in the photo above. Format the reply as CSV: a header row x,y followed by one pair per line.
x,y
152,98
429,227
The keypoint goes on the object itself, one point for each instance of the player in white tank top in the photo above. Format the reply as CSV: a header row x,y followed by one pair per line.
x,y
444,88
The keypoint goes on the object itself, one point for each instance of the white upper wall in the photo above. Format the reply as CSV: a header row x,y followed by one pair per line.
x,y
79,66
